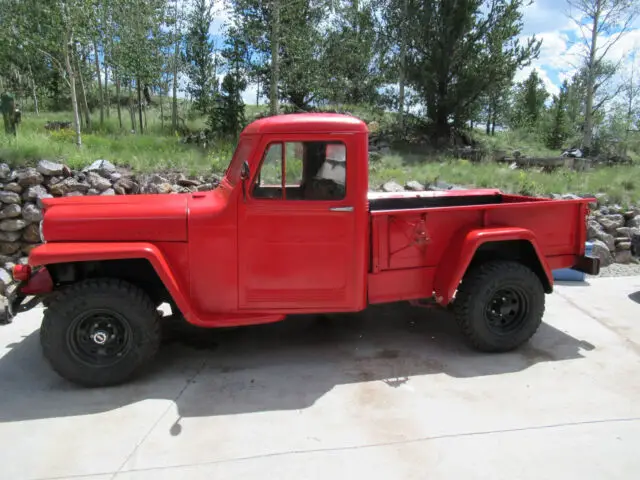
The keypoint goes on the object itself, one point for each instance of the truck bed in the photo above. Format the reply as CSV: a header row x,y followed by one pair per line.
x,y
449,198
411,232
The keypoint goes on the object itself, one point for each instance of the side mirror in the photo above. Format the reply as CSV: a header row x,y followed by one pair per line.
x,y
245,172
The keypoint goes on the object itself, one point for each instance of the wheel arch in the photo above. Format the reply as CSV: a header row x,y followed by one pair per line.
x,y
136,271
474,247
141,264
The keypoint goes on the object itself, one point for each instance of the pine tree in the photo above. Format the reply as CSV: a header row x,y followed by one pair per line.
x,y
530,97
227,117
559,129
452,61
199,56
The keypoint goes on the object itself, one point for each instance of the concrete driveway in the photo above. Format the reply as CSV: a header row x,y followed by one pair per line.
x,y
389,394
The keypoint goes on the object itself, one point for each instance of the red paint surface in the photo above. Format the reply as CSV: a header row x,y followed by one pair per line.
x,y
40,282
229,260
160,218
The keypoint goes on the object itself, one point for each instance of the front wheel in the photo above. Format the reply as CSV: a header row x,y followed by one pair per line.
x,y
499,305
100,333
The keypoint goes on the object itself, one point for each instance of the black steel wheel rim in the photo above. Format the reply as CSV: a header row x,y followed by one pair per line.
x,y
507,310
99,337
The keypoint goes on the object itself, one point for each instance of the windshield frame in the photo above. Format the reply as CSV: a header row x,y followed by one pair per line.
x,y
243,152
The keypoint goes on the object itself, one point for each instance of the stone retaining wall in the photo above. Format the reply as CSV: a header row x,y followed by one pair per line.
x,y
615,233
614,230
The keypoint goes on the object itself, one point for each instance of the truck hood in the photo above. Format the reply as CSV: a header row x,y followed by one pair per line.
x,y
161,218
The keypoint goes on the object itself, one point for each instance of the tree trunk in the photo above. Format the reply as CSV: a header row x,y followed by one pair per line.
x,y
83,122
630,98
403,65
174,96
100,94
74,99
588,114
132,113
85,105
442,128
139,88
33,92
105,61
115,74
488,126
275,51
107,109
162,110
35,97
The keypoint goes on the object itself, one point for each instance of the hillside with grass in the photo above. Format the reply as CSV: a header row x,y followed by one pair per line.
x,y
160,151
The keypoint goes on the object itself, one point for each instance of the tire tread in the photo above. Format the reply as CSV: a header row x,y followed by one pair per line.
x,y
70,301
477,279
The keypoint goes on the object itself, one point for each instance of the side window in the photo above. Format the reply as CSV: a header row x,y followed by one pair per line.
x,y
271,171
294,157
312,171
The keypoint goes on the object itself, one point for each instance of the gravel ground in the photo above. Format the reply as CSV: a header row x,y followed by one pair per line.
x,y
619,270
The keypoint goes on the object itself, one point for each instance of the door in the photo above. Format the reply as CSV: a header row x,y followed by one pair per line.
x,y
296,229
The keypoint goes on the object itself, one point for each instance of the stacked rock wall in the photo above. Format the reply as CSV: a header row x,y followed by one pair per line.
x,y
615,233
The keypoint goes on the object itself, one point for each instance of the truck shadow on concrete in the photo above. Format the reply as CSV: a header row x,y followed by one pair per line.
x,y
283,366
635,296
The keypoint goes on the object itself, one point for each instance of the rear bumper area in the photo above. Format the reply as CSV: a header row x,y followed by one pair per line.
x,y
588,265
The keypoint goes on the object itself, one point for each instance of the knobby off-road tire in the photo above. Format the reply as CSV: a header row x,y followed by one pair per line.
x,y
100,332
499,305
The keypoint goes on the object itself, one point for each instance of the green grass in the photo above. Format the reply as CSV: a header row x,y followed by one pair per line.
x,y
527,143
158,150
155,150
620,184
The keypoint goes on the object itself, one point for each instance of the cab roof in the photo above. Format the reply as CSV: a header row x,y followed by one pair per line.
x,y
306,123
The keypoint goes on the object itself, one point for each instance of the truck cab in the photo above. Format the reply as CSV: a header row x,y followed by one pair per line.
x,y
291,228
293,209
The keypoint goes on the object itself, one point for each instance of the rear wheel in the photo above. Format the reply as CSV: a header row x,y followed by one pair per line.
x,y
100,332
499,305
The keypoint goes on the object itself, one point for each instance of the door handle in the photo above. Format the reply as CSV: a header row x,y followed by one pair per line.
x,y
341,209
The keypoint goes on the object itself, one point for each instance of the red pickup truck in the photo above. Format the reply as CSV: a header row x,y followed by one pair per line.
x,y
292,228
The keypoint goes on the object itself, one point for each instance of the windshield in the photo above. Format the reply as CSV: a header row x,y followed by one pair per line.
x,y
243,150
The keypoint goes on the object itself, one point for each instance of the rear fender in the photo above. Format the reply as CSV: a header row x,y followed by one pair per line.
x,y
460,253
52,253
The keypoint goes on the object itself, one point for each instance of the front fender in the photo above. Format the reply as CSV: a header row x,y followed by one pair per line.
x,y
51,253
460,252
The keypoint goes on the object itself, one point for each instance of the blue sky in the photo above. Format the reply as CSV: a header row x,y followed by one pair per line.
x,y
562,42
548,20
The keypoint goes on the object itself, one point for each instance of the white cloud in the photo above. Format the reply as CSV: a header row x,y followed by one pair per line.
x,y
522,75
563,48
249,95
545,15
